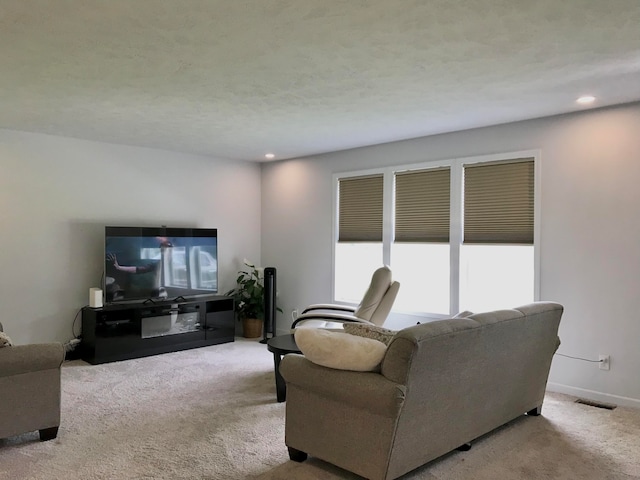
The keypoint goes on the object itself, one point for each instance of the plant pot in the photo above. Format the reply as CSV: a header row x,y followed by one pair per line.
x,y
251,327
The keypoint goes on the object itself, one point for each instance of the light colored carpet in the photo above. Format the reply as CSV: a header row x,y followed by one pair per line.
x,y
210,413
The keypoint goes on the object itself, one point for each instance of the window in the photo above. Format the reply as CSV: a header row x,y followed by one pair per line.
x,y
420,251
358,251
497,254
458,235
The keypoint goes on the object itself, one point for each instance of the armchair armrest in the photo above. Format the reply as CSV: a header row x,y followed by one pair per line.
x,y
329,306
30,358
329,317
365,390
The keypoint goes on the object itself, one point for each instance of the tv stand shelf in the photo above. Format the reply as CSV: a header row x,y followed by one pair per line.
x,y
132,330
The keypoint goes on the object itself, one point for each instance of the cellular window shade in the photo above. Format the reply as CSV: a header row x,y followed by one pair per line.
x,y
423,206
360,209
498,202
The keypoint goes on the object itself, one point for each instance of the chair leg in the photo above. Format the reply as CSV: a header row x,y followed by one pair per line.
x,y
297,455
48,434
534,412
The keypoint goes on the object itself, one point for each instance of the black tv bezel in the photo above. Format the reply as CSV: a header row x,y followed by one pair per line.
x,y
185,232
160,232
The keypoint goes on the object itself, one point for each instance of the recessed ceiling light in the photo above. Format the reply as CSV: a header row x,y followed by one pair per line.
x,y
269,156
586,100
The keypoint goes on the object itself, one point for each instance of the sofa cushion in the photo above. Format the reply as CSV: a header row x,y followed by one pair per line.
x,y
374,332
340,350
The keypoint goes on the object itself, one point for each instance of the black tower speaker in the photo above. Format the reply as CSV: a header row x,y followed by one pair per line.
x,y
269,303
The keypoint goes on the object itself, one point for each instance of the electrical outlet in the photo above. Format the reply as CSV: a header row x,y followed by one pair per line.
x,y
605,362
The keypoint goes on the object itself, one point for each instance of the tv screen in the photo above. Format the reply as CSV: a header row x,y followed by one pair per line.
x,y
159,263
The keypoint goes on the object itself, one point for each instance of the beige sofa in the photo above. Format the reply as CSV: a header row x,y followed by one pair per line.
x,y
30,389
440,386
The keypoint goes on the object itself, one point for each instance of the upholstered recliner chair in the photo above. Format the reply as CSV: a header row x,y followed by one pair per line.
x,y
30,389
373,309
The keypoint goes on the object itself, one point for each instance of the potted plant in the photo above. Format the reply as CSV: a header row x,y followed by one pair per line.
x,y
248,296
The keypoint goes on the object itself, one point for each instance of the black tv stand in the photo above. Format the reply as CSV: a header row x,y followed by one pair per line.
x,y
132,330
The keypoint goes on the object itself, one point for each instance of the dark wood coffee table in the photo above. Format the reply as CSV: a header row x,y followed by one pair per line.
x,y
280,346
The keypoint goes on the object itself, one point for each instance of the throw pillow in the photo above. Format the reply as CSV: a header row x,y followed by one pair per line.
x,y
374,332
5,341
340,350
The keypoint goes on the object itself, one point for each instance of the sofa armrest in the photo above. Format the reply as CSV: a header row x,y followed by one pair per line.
x,y
365,390
30,358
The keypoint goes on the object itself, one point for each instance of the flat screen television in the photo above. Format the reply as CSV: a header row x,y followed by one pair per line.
x,y
149,263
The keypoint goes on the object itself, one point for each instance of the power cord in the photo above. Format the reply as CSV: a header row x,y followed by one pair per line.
x,y
73,325
70,346
579,358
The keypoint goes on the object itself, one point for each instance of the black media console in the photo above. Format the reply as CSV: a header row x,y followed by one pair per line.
x,y
132,330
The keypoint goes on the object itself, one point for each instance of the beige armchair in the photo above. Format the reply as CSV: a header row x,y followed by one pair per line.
x,y
30,389
373,309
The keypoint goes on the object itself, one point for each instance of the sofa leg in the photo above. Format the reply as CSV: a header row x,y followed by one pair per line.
x,y
465,447
48,434
297,455
534,412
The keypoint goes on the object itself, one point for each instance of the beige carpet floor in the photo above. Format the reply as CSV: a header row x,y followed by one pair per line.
x,y
211,413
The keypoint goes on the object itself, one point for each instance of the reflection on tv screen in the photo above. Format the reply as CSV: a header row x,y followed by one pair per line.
x,y
159,263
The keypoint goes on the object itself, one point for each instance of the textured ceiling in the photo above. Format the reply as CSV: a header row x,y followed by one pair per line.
x,y
239,78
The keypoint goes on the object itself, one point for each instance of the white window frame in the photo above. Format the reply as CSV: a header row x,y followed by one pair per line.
x,y
456,228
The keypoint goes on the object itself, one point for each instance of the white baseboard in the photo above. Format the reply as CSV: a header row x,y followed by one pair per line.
x,y
593,395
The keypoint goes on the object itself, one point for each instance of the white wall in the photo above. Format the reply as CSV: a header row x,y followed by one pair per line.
x,y
590,232
56,196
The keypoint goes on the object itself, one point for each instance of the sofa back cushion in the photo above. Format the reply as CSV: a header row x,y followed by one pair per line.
x,y
466,376
411,345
